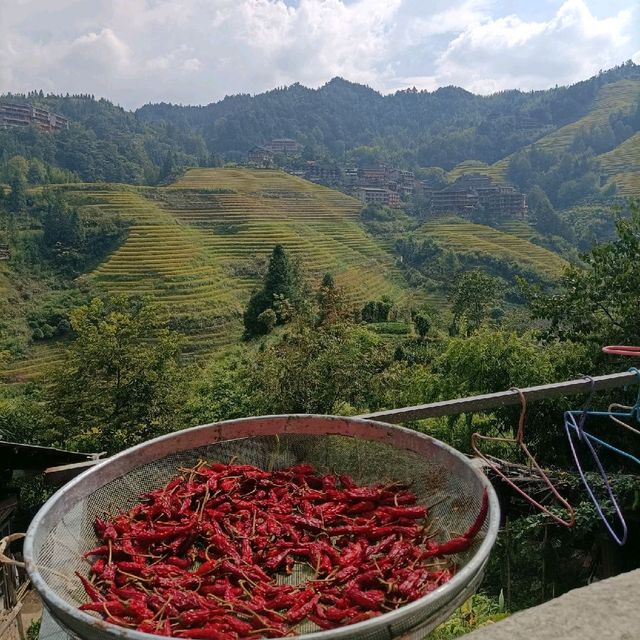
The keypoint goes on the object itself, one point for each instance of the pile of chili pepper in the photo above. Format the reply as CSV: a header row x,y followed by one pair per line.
x,y
207,555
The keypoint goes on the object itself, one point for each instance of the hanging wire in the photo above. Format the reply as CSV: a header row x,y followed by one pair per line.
x,y
569,520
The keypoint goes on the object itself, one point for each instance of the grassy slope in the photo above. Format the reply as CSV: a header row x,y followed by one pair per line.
x,y
462,236
197,252
617,96
622,166
196,248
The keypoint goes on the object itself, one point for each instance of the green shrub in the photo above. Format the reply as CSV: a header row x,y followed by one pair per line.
x,y
478,611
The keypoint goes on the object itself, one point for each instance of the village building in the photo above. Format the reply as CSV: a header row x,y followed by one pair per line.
x,y
260,156
472,192
26,115
402,181
322,173
283,145
378,196
350,177
372,176
264,155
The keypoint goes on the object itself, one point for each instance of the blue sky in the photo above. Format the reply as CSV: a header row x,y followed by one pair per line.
x,y
198,51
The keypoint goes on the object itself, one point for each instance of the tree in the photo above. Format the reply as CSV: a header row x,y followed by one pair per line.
x,y
169,167
17,200
282,290
332,305
472,295
546,220
597,304
377,310
422,323
120,382
318,369
37,173
281,278
62,233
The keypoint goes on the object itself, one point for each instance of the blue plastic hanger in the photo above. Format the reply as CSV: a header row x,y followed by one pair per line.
x,y
574,425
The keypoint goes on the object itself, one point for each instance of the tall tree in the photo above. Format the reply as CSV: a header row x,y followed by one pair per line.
x,y
283,289
597,303
471,297
546,220
120,382
62,233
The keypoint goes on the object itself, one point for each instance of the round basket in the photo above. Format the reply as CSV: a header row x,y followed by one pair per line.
x,y
371,452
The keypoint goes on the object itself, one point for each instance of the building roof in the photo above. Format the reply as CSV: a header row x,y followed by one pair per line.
x,y
28,456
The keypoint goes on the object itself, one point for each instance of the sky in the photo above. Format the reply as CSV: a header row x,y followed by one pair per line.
x,y
197,51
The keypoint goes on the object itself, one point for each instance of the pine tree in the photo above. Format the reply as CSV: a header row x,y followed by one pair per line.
x,y
282,282
17,200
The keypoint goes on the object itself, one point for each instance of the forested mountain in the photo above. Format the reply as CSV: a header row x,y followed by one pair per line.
x,y
103,142
416,128
340,121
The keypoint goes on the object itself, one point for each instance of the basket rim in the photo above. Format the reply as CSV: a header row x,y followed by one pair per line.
x,y
476,564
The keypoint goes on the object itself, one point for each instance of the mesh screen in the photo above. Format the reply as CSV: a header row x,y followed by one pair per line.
x,y
442,482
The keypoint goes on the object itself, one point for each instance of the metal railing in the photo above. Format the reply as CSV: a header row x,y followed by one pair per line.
x,y
503,398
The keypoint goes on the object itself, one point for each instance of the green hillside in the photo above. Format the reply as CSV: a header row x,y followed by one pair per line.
x,y
622,166
616,96
199,246
467,237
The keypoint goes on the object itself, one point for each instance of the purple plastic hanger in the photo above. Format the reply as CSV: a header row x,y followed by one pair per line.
x,y
571,425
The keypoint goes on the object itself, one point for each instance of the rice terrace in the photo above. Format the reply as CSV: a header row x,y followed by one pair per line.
x,y
198,246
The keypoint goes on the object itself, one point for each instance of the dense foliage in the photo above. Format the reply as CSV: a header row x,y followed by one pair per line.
x,y
416,128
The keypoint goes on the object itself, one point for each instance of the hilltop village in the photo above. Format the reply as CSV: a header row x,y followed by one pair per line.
x,y
27,115
393,187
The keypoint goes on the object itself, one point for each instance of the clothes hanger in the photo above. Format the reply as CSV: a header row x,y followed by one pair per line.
x,y
574,425
630,412
622,350
569,520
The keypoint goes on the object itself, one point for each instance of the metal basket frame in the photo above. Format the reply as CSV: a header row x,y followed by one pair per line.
x,y
88,627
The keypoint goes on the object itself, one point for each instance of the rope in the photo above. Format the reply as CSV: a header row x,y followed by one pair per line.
x,y
4,542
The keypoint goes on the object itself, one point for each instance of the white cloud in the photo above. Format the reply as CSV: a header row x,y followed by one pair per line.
x,y
507,52
196,51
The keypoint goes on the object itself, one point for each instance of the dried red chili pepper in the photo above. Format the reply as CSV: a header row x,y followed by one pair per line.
x,y
200,557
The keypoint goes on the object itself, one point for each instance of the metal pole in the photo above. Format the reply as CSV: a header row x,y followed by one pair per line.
x,y
503,398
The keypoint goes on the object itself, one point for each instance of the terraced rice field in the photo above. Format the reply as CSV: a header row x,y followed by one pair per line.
x,y
464,237
476,166
41,357
238,229
519,229
622,166
617,96
196,247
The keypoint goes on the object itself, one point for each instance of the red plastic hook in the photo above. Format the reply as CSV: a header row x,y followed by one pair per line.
x,y
622,350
